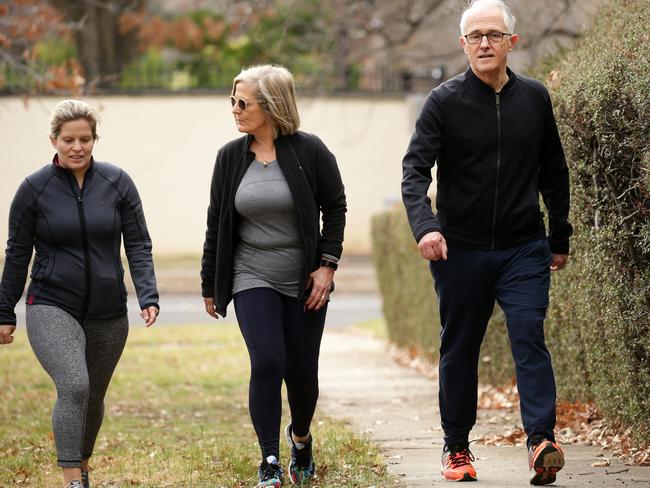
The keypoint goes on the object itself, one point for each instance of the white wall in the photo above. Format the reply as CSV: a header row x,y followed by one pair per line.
x,y
168,146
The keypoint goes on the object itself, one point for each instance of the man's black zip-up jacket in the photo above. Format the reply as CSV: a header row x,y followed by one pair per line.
x,y
315,183
495,153
77,234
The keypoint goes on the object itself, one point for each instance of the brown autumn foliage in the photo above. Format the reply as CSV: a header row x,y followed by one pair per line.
x,y
577,422
25,23
182,33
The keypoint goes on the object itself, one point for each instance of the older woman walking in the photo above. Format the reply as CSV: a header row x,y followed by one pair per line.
x,y
265,248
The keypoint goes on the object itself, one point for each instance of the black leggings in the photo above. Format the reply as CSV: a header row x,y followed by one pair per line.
x,y
283,342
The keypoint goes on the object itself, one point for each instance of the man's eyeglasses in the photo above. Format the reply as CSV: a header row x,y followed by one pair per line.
x,y
242,103
492,37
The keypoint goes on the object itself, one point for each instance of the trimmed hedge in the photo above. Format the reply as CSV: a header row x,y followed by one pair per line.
x,y
409,302
598,324
600,320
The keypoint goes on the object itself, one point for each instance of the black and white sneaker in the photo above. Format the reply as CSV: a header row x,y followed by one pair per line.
x,y
301,466
270,474
84,479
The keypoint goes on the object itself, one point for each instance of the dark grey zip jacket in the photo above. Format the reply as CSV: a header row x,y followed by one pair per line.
x,y
77,237
495,153
315,183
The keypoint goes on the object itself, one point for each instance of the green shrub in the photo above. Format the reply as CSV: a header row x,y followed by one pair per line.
x,y
600,317
410,305
409,302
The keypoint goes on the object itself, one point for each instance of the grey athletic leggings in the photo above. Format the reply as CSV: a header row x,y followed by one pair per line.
x,y
80,359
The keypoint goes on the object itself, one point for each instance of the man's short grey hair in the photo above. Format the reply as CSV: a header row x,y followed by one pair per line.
x,y
508,18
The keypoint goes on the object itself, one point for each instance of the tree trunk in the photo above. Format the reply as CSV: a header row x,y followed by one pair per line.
x,y
102,49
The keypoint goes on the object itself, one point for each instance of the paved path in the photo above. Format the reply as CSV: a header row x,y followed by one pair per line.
x,y
182,308
397,407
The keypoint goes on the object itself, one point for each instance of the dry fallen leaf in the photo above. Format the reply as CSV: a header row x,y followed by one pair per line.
x,y
577,423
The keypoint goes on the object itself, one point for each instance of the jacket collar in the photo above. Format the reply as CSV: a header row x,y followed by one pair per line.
x,y
283,150
480,84
65,173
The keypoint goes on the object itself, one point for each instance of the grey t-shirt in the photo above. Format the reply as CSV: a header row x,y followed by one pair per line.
x,y
270,250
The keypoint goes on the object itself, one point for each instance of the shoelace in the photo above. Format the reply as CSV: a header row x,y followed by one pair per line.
x,y
536,441
271,471
84,479
303,456
460,458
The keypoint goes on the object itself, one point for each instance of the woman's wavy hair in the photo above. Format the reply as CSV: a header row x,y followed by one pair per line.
x,y
276,94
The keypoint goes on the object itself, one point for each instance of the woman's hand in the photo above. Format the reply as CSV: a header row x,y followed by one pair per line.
x,y
209,307
149,314
5,334
320,282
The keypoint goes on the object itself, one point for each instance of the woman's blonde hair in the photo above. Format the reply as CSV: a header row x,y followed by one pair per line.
x,y
69,110
276,94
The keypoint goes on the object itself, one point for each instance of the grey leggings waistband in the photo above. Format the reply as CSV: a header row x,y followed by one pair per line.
x,y
80,359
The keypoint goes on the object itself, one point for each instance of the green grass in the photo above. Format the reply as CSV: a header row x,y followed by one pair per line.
x,y
176,415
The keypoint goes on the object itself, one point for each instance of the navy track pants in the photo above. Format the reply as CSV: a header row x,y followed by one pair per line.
x,y
468,283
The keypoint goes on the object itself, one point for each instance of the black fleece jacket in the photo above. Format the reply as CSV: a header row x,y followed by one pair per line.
x,y
315,183
77,236
495,152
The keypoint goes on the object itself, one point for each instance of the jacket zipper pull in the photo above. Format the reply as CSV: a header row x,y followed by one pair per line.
x,y
79,199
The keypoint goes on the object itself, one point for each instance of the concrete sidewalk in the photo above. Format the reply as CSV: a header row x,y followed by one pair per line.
x,y
398,408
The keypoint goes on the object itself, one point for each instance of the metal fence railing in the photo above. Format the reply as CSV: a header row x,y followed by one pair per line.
x,y
183,76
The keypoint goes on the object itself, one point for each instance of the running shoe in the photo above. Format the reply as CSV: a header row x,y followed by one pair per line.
x,y
75,484
269,475
84,479
301,466
457,463
545,459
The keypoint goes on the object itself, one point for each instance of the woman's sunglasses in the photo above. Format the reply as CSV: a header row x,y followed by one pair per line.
x,y
240,102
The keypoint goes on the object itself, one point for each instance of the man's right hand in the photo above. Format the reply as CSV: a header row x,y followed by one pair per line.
x,y
5,334
433,246
209,307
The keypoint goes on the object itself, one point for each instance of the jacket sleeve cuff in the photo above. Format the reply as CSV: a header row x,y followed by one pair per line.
x,y
332,250
559,246
7,316
422,233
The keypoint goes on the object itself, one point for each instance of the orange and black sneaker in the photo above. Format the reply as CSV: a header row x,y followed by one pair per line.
x,y
545,459
457,463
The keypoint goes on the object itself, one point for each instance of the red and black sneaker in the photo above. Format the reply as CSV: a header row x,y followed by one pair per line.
x,y
545,459
457,463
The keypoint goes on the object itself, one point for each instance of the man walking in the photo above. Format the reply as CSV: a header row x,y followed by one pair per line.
x,y
493,136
